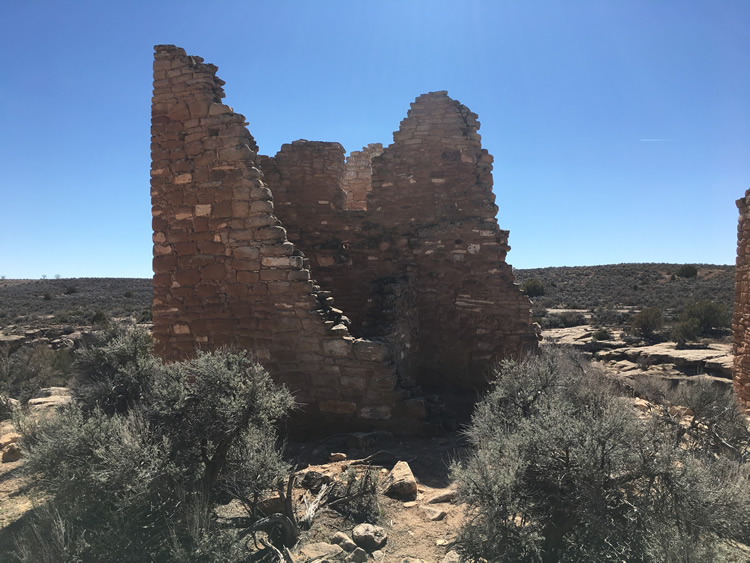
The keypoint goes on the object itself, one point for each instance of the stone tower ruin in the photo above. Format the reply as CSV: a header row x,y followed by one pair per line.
x,y
403,237
741,319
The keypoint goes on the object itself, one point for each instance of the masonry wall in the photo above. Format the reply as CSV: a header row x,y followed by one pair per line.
x,y
358,176
428,225
225,272
741,319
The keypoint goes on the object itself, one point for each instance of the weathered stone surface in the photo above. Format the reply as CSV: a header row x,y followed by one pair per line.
x,y
346,543
369,537
9,438
452,557
443,496
400,482
359,555
433,514
321,551
50,398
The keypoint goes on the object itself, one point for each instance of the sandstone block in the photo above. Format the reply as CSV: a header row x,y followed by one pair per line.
x,y
400,482
338,407
338,347
371,350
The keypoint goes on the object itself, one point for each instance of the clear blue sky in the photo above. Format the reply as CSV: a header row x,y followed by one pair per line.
x,y
620,129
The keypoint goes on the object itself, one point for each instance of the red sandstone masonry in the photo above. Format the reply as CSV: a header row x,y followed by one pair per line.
x,y
224,271
429,219
741,319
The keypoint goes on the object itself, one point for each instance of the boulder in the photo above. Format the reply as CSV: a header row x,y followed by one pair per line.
x,y
9,438
443,496
401,483
321,551
346,543
10,453
452,557
359,555
369,537
433,514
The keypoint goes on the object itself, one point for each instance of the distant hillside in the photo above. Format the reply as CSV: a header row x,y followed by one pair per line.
x,y
73,301
634,285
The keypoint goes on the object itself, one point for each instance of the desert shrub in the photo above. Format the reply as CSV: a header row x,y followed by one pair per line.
x,y
100,318
143,483
6,409
47,296
645,323
24,372
532,287
70,290
709,315
686,271
145,316
602,334
357,496
608,316
685,331
562,469
566,319
113,369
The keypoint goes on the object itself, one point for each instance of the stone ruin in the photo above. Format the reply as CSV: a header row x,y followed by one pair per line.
x,y
741,318
404,237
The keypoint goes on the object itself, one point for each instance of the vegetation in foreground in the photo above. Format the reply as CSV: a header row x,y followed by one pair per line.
x,y
564,469
136,465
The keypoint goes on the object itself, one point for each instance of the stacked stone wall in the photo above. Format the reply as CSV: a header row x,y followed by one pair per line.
x,y
358,176
741,319
429,219
225,272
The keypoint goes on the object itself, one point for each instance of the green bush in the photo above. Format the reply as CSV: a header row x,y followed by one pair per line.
x,y
563,469
602,334
24,372
685,331
709,315
113,370
687,271
141,476
532,287
646,322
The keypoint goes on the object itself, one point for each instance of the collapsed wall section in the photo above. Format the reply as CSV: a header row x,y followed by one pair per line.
x,y
224,271
741,318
